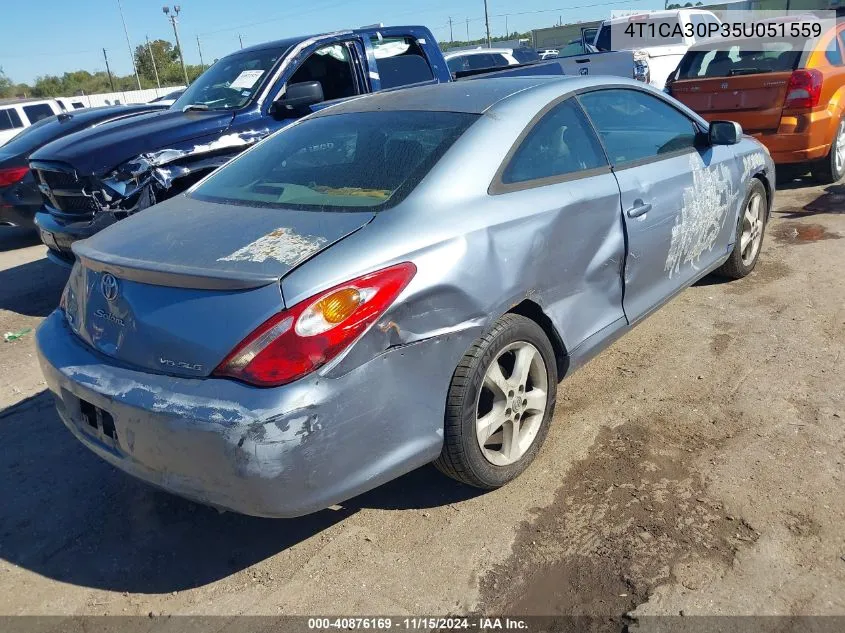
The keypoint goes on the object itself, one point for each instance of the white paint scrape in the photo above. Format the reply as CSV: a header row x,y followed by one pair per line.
x,y
706,204
282,244
751,163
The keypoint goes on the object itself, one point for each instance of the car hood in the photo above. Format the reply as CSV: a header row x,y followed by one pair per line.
x,y
99,149
190,243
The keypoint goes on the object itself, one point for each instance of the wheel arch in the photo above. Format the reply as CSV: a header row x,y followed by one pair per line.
x,y
768,185
532,310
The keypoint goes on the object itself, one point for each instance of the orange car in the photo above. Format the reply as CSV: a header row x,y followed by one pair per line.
x,y
788,97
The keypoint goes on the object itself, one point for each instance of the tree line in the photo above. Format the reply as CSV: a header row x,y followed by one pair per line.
x,y
80,82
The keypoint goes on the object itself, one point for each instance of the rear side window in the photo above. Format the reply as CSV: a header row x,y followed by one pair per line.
x,y
637,126
77,105
401,61
500,60
561,143
526,55
341,162
37,112
833,54
741,58
9,119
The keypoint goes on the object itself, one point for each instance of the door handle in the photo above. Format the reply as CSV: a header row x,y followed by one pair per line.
x,y
639,208
582,61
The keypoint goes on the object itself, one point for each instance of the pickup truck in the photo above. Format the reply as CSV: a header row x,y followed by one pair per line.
x,y
654,58
95,177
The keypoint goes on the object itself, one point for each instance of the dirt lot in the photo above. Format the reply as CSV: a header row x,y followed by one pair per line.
x,y
698,465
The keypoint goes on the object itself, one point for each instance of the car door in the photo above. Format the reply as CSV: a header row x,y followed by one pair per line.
x,y
678,202
558,170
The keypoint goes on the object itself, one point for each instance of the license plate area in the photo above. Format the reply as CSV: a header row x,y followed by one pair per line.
x,y
96,423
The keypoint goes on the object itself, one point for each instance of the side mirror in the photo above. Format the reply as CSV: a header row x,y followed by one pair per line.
x,y
724,133
298,96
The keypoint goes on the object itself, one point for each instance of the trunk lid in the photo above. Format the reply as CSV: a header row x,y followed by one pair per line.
x,y
754,101
175,288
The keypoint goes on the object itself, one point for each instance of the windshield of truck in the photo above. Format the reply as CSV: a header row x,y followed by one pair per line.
x,y
340,162
231,82
741,58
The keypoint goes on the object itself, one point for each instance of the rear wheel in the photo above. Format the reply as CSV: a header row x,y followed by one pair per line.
x,y
832,167
499,405
749,233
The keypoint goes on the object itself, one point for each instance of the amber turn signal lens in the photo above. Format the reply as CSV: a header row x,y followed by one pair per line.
x,y
338,306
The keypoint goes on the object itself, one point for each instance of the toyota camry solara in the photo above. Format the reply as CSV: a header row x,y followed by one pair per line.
x,y
396,280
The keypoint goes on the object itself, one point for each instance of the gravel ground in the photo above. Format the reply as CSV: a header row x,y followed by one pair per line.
x,y
696,466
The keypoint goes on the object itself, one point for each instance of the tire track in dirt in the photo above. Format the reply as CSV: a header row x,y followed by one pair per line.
x,y
622,520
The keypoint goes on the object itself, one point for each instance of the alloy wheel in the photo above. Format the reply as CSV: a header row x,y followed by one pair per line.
x,y
511,403
752,229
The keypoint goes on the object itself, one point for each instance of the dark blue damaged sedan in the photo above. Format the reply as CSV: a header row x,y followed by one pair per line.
x,y
396,280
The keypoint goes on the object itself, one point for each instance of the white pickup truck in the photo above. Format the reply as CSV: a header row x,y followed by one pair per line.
x,y
654,58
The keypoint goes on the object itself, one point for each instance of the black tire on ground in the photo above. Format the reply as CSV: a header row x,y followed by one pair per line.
x,y
825,170
461,457
734,267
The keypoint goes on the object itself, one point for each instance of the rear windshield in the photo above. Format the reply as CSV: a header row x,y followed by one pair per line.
x,y
741,58
340,162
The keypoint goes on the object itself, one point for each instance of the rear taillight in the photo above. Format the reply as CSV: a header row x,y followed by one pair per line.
x,y
804,89
297,341
11,175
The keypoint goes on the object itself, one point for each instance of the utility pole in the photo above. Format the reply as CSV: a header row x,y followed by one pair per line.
x,y
153,60
487,23
174,20
108,70
199,48
507,33
451,37
467,30
129,44
241,40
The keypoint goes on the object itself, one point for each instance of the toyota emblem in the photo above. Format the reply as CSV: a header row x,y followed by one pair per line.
x,y
108,284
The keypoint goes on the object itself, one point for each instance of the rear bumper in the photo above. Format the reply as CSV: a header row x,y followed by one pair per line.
x,y
19,202
278,452
18,215
801,138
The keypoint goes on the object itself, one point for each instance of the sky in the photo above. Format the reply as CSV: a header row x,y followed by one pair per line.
x,y
64,36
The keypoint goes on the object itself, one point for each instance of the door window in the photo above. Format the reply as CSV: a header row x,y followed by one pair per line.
x,y
561,143
332,66
636,126
401,61
37,112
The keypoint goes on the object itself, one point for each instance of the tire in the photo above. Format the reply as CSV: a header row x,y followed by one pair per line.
x,y
832,167
738,267
509,343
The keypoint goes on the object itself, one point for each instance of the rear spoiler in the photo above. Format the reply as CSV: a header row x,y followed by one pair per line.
x,y
547,67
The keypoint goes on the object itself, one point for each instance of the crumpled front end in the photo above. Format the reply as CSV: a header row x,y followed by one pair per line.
x,y
81,204
140,181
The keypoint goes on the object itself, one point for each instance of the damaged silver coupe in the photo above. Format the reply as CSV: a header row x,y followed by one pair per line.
x,y
394,281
